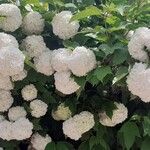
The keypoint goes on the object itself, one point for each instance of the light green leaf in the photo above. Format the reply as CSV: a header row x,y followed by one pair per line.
x,y
130,131
106,49
146,126
102,72
89,11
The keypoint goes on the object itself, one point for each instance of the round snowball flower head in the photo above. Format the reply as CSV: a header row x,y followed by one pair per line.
x,y
6,100
39,142
6,130
11,61
20,76
21,129
43,63
62,112
16,112
12,17
38,108
29,92
33,23
129,35
5,83
138,42
81,61
62,27
64,83
7,40
138,81
119,115
59,59
34,45
74,127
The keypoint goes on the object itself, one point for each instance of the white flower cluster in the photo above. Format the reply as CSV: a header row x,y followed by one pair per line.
x,y
16,113
62,112
139,40
62,27
29,92
19,130
38,108
33,23
39,142
20,76
12,17
138,81
119,115
74,127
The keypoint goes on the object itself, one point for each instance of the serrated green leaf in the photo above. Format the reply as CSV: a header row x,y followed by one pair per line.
x,y
106,49
102,72
130,132
89,11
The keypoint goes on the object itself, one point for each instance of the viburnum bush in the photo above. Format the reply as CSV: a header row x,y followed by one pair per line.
x,y
74,75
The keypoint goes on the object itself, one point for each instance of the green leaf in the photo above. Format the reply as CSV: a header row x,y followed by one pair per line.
x,y
89,11
64,146
51,146
120,74
102,72
84,146
106,49
145,144
130,131
146,126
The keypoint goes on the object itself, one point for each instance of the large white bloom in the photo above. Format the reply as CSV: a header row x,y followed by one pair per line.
x,y
138,81
7,40
119,115
62,112
5,83
139,40
43,63
20,76
6,100
29,92
59,59
19,130
34,45
13,18
64,83
74,127
62,27
16,112
38,108
33,23
11,61
39,142
81,61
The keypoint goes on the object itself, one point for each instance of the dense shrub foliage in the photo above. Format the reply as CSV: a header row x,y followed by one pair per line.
x,y
74,74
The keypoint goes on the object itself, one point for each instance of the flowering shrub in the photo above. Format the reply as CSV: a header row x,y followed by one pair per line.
x,y
74,75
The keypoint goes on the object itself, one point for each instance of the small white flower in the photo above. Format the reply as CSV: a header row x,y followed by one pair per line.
x,y
62,112
43,63
81,61
33,23
62,27
29,92
39,142
11,61
79,124
119,115
140,40
34,45
8,40
64,83
59,59
138,81
39,108
16,112
12,17
20,76
6,100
